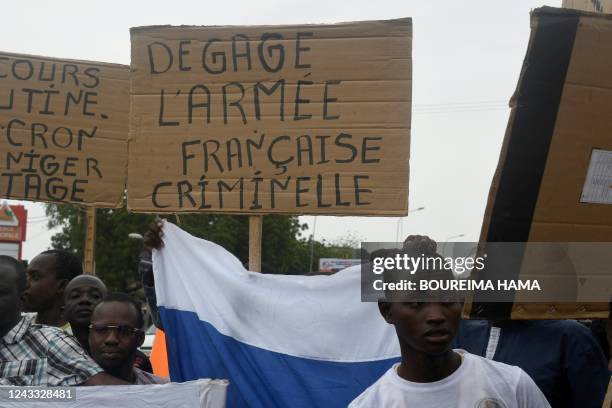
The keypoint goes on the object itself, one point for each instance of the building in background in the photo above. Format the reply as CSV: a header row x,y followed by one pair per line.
x,y
333,265
13,225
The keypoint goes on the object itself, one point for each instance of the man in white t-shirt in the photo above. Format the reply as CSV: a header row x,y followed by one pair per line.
x,y
430,373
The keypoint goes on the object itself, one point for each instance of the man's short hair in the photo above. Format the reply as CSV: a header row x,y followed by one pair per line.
x,y
121,297
67,265
19,270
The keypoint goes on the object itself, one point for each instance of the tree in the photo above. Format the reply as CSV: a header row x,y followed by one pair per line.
x,y
116,256
284,250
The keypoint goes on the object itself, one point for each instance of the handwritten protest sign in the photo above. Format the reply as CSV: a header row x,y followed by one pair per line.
x,y
554,176
285,119
63,130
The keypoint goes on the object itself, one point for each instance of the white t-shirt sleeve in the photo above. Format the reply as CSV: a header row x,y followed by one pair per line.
x,y
528,395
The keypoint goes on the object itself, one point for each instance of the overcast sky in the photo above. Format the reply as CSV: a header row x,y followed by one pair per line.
x,y
467,57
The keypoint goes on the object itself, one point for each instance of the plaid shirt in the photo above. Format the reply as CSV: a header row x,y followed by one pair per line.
x,y
33,354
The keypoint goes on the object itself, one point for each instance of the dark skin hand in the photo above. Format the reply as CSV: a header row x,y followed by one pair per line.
x,y
153,237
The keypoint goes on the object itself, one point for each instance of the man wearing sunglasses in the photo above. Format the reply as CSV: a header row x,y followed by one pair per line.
x,y
115,334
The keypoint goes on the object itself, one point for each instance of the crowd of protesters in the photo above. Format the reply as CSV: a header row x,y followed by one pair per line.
x,y
72,331
59,327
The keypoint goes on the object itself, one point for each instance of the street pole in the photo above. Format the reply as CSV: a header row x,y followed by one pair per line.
x,y
312,237
399,222
90,241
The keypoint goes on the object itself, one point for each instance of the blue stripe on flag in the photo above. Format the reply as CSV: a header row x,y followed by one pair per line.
x,y
258,377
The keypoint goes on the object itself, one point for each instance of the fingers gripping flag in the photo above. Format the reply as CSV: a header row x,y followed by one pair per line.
x,y
281,340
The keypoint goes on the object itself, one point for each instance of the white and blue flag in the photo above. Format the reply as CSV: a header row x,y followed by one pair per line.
x,y
281,340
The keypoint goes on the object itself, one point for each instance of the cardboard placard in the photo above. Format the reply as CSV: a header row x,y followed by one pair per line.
x,y
63,130
311,119
600,6
550,181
